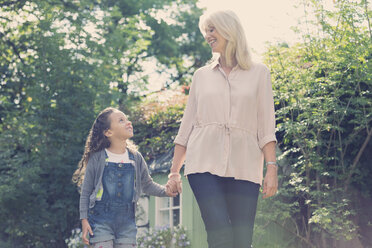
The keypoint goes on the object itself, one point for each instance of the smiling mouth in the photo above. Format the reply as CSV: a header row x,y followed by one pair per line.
x,y
211,42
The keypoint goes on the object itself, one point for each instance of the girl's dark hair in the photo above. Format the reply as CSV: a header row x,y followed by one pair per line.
x,y
96,141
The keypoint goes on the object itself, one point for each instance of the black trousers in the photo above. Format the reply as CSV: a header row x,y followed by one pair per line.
x,y
228,208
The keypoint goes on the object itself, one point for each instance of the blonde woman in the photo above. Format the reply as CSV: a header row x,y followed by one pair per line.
x,y
226,134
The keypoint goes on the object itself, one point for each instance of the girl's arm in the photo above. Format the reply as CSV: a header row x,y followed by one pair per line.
x,y
150,187
87,188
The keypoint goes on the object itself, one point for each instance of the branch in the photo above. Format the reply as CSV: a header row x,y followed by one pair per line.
x,y
369,24
356,160
298,236
69,5
7,19
15,49
8,3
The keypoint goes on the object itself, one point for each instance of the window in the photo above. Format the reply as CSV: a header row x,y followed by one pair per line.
x,y
168,211
142,215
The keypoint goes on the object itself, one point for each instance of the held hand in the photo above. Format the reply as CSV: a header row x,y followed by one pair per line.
x,y
270,186
175,183
86,228
169,192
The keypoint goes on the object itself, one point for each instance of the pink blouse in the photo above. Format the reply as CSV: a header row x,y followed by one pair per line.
x,y
227,122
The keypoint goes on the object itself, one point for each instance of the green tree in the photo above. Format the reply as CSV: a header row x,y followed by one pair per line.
x,y
157,122
324,117
62,62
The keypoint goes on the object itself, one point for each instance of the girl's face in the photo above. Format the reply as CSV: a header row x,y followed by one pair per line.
x,y
215,40
120,127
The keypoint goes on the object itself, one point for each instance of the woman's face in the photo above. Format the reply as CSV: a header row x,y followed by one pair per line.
x,y
215,40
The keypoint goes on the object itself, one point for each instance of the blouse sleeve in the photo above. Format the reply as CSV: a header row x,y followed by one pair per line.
x,y
265,111
188,118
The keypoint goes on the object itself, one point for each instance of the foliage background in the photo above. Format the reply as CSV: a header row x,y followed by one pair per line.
x,y
324,114
63,61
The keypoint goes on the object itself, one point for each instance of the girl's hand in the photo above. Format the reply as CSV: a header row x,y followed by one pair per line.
x,y
86,228
270,186
169,192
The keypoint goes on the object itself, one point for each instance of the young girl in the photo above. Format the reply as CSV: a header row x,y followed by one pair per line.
x,y
113,175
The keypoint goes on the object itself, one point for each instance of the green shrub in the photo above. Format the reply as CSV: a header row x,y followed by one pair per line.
x,y
164,237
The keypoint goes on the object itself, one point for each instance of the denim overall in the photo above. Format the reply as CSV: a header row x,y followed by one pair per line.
x,y
113,217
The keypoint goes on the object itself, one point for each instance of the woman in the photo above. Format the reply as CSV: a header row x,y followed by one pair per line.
x,y
227,131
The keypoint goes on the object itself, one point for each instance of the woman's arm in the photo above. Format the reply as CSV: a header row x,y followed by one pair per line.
x,y
269,152
178,158
181,140
174,182
266,131
270,185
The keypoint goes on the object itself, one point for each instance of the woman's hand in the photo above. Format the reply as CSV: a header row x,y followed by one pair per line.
x,y
174,183
86,228
270,186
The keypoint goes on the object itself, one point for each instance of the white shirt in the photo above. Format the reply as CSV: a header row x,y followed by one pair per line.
x,y
118,158
227,122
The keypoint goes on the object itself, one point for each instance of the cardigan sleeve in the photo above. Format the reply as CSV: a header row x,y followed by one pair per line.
x,y
149,187
87,189
265,110
188,118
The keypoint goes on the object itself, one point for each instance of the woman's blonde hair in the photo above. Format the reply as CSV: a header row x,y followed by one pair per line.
x,y
228,25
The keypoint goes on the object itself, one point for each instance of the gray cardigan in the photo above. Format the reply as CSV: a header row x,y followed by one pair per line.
x,y
93,180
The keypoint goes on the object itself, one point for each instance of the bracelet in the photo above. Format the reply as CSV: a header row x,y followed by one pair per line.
x,y
271,163
174,174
